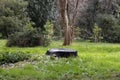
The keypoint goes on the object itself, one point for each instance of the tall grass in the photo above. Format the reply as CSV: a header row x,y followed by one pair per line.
x,y
96,61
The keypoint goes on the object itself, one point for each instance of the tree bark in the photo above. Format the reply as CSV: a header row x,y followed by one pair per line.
x,y
64,15
67,26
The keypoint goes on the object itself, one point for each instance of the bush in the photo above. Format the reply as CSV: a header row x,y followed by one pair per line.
x,y
48,33
97,33
28,38
31,37
12,57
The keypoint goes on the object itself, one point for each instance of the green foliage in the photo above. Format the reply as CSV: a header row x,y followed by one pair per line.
x,y
0,35
106,15
12,16
96,61
46,35
77,33
97,33
27,38
1,57
31,37
39,11
108,20
110,27
57,32
9,25
48,28
12,57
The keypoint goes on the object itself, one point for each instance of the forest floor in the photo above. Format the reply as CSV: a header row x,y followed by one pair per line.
x,y
95,61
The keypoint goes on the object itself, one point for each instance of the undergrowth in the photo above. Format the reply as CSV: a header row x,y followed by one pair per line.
x,y
95,61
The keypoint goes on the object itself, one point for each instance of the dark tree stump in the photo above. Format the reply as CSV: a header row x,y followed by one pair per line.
x,y
62,52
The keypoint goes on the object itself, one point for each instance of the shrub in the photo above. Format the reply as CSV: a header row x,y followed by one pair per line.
x,y
77,33
28,38
31,37
97,33
12,57
48,33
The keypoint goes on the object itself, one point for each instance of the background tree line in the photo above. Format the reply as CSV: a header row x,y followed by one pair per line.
x,y
101,13
29,22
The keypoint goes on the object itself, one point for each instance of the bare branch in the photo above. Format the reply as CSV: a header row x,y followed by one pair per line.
x,y
75,11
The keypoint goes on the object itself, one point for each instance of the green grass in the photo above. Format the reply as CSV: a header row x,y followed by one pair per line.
x,y
96,61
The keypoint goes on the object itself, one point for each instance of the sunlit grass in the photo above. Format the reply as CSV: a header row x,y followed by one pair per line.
x,y
96,61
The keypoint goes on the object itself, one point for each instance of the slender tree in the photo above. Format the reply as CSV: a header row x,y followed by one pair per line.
x,y
68,20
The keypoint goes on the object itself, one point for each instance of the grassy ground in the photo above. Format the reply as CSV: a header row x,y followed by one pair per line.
x,y
96,61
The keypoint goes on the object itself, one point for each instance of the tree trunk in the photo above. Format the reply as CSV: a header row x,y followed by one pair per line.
x,y
68,25
67,30
63,4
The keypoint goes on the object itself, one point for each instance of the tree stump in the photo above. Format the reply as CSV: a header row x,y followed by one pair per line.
x,y
62,52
